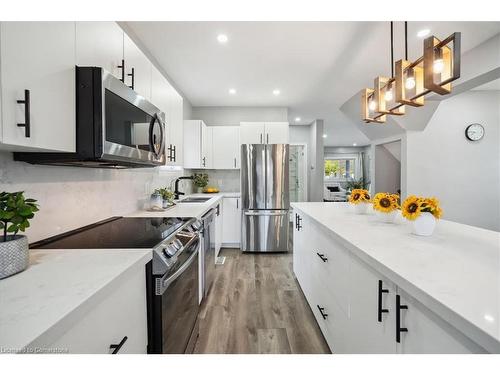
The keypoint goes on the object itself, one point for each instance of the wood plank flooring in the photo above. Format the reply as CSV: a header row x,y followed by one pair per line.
x,y
256,307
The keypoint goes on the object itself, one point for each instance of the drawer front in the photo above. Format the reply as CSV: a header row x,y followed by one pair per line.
x,y
332,320
120,314
331,263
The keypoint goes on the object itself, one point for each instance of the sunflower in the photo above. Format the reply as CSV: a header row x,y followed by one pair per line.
x,y
359,196
385,202
432,205
412,206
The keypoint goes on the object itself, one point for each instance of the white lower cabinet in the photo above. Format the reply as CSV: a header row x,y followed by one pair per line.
x,y
357,308
231,230
120,314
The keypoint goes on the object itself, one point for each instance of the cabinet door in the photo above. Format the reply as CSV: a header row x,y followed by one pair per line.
x,y
219,222
140,77
301,253
39,57
176,133
366,333
100,44
207,147
226,153
429,334
231,213
252,132
276,132
192,144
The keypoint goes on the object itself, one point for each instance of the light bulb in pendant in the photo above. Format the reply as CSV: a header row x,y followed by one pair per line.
x,y
388,94
371,105
438,66
410,80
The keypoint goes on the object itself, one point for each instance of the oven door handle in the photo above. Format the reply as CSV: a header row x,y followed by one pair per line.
x,y
165,283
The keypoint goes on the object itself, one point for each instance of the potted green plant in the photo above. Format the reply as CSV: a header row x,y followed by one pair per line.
x,y
167,196
15,214
200,181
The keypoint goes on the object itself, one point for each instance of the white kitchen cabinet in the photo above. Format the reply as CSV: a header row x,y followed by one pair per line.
x,y
276,132
231,230
219,223
207,151
301,258
252,132
164,96
197,145
38,57
137,68
226,147
123,313
264,132
100,44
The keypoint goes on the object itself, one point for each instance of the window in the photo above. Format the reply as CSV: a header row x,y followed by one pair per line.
x,y
340,168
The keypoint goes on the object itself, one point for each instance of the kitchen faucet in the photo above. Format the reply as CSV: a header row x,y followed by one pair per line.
x,y
176,191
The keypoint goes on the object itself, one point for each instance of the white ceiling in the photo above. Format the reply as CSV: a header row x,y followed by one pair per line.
x,y
316,65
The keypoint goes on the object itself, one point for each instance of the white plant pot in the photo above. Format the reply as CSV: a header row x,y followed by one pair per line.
x,y
424,225
386,217
14,256
361,208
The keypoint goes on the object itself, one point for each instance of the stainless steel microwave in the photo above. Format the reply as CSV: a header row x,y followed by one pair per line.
x,y
115,126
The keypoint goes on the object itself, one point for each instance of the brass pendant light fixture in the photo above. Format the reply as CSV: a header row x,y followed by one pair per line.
x,y
432,72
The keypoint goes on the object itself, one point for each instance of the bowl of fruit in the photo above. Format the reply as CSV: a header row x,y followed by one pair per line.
x,y
210,190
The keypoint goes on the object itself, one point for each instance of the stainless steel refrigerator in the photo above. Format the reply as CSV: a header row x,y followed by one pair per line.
x,y
265,198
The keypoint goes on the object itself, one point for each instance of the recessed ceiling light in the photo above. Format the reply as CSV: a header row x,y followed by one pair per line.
x,y
324,136
423,32
222,38
232,91
276,92
354,144
297,119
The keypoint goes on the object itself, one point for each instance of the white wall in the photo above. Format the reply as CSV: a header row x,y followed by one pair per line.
x,y
317,162
73,197
387,170
227,116
463,175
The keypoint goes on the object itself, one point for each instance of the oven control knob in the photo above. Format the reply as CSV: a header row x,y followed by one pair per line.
x,y
170,251
177,243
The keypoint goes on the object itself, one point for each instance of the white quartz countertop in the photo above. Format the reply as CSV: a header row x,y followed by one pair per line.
x,y
455,272
57,289
196,210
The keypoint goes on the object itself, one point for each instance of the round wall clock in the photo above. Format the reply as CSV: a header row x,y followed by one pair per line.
x,y
474,132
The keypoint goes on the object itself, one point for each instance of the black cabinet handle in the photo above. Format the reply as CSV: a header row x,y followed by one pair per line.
x,y
237,204
122,67
170,153
321,309
132,75
299,220
267,138
116,347
399,329
322,257
235,163
204,161
27,124
381,309
296,221
261,138
175,153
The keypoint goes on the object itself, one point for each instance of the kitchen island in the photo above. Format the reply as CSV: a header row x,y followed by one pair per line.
x,y
375,287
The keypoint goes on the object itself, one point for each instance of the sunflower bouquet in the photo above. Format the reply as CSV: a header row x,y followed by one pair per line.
x,y
385,202
360,198
423,212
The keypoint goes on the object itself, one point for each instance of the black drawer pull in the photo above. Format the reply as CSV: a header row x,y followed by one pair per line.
x,y
381,309
27,122
122,67
321,309
174,153
299,220
116,347
399,329
132,75
322,257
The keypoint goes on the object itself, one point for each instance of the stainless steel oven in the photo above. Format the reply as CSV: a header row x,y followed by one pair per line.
x,y
115,126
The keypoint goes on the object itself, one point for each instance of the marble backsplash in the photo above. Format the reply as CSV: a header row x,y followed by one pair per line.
x,y
71,197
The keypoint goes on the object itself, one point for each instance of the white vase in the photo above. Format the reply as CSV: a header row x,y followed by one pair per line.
x,y
361,208
386,217
424,224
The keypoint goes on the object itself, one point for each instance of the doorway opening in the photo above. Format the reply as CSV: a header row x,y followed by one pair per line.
x,y
298,173
388,167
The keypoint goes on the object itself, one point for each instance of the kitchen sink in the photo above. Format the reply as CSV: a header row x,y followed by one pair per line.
x,y
194,200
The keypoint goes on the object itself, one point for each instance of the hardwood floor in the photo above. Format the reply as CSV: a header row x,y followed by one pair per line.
x,y
256,307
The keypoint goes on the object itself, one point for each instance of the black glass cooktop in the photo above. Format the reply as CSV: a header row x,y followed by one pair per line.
x,y
115,233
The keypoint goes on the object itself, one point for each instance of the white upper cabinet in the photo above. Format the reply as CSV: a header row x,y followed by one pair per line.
x,y
226,150
197,144
100,44
276,132
37,62
207,159
252,132
137,68
264,132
